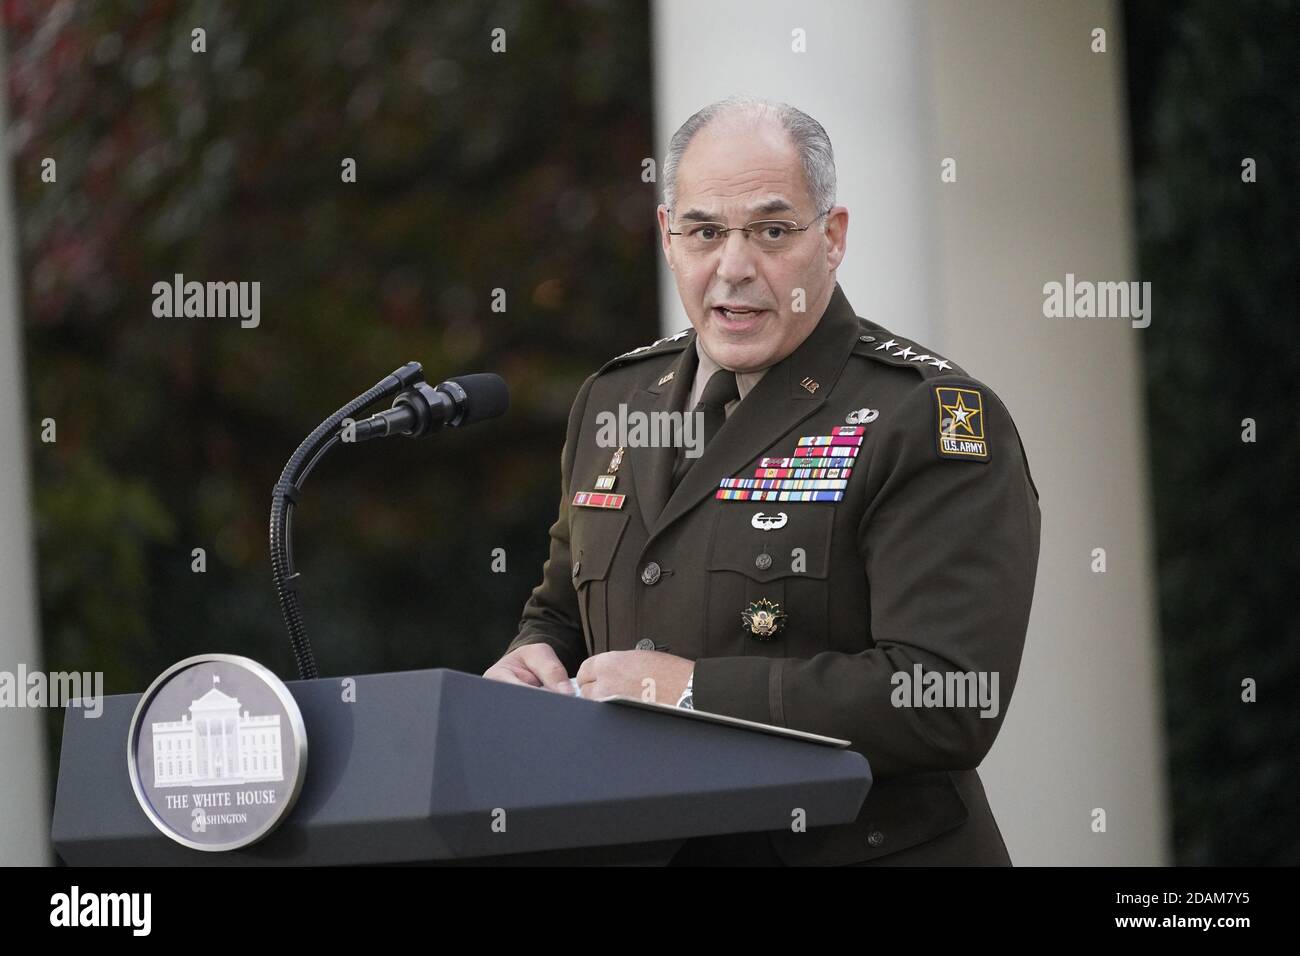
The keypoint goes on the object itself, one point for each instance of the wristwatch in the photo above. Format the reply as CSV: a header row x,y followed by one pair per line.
x,y
686,701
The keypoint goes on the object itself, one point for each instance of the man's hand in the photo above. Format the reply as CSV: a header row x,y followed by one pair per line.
x,y
649,675
535,665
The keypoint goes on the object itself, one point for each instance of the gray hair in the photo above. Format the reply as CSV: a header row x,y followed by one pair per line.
x,y
808,136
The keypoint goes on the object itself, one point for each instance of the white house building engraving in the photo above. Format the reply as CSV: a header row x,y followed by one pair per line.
x,y
215,744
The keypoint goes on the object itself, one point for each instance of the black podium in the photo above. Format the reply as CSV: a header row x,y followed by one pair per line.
x,y
418,767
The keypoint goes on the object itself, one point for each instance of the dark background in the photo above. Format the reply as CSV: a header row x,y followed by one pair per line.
x,y
475,171
1208,84
523,172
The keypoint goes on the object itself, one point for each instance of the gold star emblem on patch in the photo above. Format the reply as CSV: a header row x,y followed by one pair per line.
x,y
961,423
960,419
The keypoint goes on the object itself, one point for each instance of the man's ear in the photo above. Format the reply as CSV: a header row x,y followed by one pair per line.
x,y
661,214
837,233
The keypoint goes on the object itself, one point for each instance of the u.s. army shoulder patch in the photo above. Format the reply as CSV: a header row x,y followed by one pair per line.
x,y
960,414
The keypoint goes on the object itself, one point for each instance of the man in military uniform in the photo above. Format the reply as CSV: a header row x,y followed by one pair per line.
x,y
861,513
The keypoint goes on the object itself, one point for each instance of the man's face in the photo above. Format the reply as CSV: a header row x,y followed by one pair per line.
x,y
734,174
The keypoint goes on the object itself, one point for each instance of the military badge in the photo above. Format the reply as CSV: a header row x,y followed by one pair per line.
x,y
863,416
818,471
607,481
765,522
592,499
961,423
763,619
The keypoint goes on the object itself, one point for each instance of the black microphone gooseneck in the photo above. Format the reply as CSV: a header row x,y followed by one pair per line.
x,y
417,411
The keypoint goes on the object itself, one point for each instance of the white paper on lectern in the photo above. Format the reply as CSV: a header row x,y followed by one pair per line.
x,y
704,715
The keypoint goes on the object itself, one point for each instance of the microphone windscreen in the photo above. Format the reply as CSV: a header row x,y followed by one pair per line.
x,y
486,396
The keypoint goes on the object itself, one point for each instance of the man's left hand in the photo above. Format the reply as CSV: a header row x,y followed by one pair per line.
x,y
648,675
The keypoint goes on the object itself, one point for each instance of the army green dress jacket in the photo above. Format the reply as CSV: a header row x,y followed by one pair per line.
x,y
868,494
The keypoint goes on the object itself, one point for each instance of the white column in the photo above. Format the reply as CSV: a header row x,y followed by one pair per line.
x,y
1010,89
24,800
1037,123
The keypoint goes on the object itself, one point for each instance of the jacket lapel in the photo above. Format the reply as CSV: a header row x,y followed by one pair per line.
x,y
652,468
775,406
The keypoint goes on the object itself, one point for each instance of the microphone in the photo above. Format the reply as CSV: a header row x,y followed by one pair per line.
x,y
422,409
417,410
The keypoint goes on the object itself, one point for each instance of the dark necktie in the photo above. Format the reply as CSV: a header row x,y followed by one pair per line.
x,y
720,390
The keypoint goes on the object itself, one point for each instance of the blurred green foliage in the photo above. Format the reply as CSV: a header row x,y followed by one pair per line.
x,y
475,171
1211,84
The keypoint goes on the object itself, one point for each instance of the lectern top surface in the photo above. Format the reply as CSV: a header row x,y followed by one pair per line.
x,y
729,721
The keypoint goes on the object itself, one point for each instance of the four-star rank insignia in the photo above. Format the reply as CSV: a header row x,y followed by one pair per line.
x,y
961,423
763,619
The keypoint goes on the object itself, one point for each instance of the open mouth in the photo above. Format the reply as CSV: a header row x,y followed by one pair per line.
x,y
737,318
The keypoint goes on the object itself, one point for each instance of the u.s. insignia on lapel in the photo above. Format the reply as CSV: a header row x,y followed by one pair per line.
x,y
763,619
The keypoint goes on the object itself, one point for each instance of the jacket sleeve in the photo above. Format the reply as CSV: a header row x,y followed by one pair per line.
x,y
950,552
551,613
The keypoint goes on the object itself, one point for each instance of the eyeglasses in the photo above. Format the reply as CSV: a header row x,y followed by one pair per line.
x,y
770,235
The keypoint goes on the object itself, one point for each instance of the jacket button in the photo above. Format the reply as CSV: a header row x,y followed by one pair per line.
x,y
875,838
650,574
763,562
866,338
645,644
